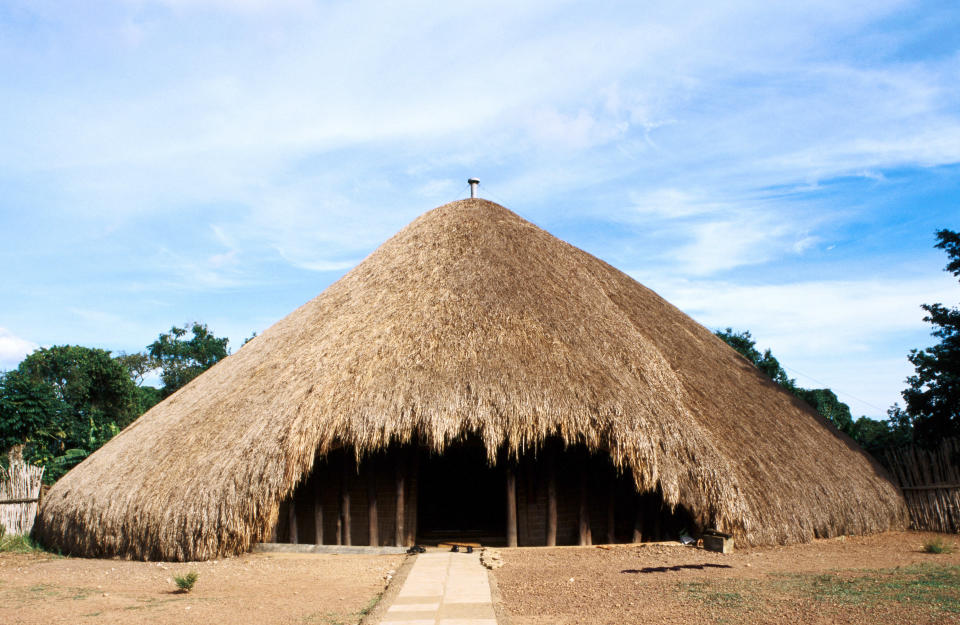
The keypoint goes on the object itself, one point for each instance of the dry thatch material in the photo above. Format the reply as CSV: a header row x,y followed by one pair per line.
x,y
471,319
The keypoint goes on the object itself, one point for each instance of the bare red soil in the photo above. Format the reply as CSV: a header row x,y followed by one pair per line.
x,y
885,578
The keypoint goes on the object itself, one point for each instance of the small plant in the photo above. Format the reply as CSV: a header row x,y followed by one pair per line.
x,y
938,545
185,582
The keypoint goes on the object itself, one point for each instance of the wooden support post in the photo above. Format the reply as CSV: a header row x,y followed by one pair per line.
x,y
345,500
373,522
317,522
401,494
585,538
657,513
292,520
612,516
638,521
273,530
413,489
551,504
338,534
511,507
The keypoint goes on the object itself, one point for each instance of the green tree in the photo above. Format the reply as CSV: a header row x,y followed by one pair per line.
x,y
744,344
875,436
27,409
181,359
829,406
140,365
823,400
63,403
933,394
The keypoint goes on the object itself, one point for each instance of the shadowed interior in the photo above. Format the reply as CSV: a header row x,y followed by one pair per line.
x,y
459,496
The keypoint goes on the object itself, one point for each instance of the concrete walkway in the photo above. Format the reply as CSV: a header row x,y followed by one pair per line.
x,y
443,589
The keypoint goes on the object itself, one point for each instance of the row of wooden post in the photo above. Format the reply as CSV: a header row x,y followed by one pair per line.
x,y
344,520
584,515
584,533
344,525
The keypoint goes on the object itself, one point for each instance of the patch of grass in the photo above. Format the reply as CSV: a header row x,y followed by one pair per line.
x,y
335,618
717,594
367,609
185,582
327,618
152,602
934,587
43,589
54,591
83,593
18,543
938,545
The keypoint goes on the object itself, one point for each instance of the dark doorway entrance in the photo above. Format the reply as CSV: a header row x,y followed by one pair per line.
x,y
461,497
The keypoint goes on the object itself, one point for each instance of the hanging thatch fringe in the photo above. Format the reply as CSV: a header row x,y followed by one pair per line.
x,y
471,320
930,480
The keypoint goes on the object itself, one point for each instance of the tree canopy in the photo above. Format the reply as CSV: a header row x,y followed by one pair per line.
x,y
744,344
64,402
871,434
181,359
932,396
823,400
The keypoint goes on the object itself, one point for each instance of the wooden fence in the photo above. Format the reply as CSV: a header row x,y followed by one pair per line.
x,y
930,480
20,486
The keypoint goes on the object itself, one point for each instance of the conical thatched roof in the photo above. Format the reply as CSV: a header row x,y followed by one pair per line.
x,y
470,319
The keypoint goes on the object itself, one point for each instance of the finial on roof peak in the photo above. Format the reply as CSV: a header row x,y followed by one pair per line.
x,y
473,182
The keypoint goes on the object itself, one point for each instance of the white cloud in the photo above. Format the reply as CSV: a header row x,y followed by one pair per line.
x,y
853,336
812,318
705,128
13,349
710,234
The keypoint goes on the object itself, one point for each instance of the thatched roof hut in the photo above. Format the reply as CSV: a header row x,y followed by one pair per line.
x,y
470,321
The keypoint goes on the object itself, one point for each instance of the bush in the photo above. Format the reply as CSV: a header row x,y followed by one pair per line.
x,y
185,582
938,545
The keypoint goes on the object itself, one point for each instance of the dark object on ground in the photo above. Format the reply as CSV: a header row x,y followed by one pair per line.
x,y
717,541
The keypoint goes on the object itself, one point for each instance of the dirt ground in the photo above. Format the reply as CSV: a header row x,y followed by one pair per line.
x,y
884,579
254,588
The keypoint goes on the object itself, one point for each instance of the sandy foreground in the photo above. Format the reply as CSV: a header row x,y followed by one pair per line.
x,y
885,579
254,588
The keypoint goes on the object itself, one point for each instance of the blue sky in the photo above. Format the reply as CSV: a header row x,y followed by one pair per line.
x,y
764,166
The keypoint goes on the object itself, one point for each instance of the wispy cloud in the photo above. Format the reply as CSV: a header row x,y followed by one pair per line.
x,y
211,147
830,332
713,234
13,349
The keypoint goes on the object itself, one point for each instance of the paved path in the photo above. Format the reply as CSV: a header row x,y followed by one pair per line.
x,y
443,589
